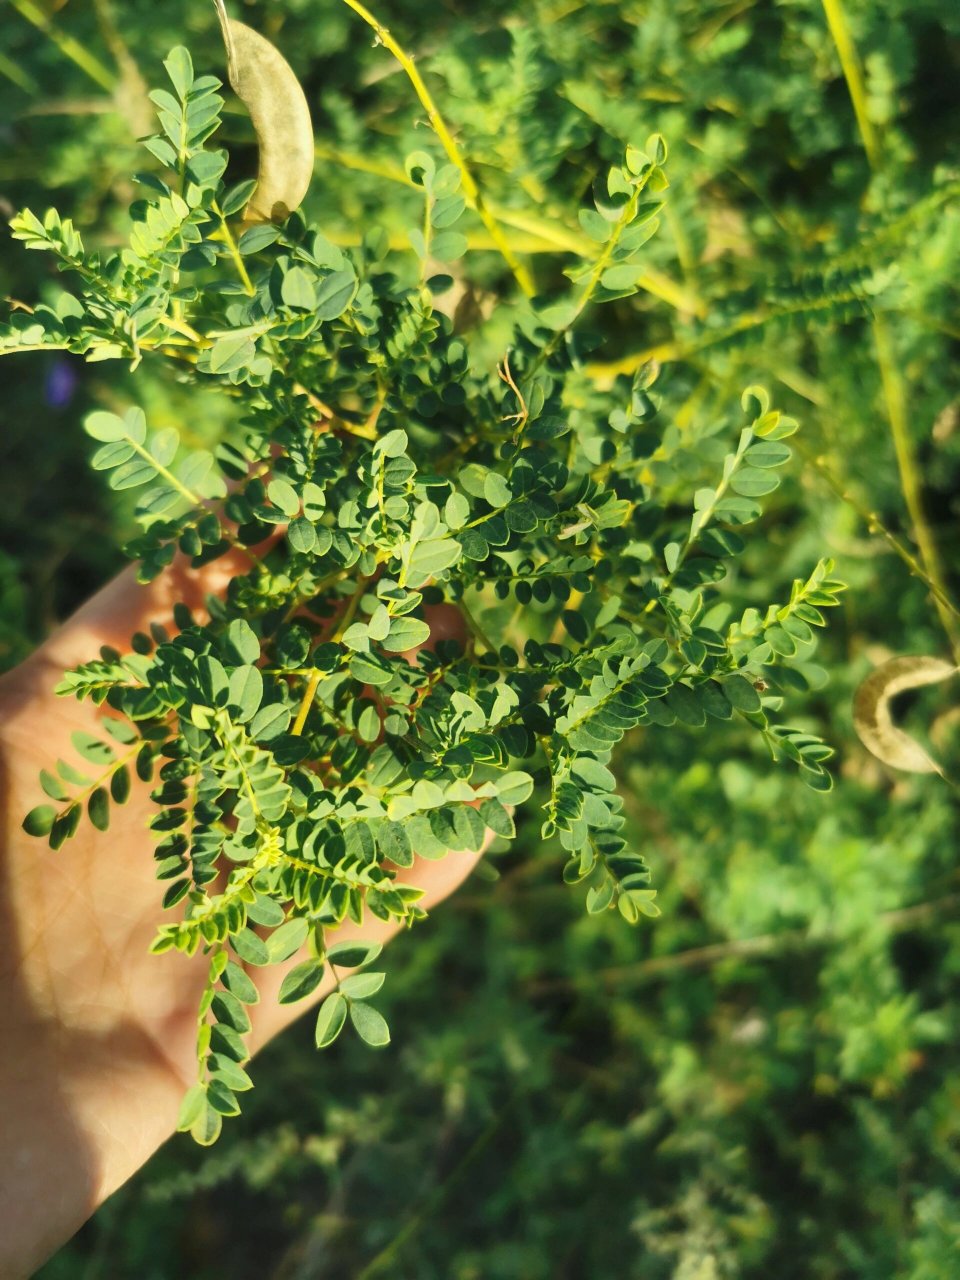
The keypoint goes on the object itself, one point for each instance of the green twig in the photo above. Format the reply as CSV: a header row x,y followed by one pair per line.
x,y
539,235
228,239
875,525
765,944
67,45
894,392
671,352
467,181
413,1224
16,75
475,627
895,400
313,683
853,74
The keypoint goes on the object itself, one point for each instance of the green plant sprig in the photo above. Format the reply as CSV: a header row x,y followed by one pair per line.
x,y
297,756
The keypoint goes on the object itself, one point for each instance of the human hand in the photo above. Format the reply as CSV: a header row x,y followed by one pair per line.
x,y
99,1036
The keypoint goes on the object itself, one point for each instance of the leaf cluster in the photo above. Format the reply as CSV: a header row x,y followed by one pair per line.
x,y
387,470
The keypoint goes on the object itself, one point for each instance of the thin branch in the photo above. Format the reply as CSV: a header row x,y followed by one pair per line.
x,y
764,944
67,45
413,1224
853,74
17,75
539,235
895,400
894,391
875,525
469,184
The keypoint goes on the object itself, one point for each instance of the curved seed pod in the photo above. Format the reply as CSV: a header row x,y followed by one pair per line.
x,y
872,717
265,83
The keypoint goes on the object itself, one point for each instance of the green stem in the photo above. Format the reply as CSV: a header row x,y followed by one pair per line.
x,y
895,399
313,683
853,74
427,211
599,266
235,253
180,326
670,352
741,948
22,79
706,514
875,524
388,1255
894,393
104,777
167,475
542,235
67,45
475,627
467,181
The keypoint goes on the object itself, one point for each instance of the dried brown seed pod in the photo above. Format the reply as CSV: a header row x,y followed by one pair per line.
x,y
267,86
873,719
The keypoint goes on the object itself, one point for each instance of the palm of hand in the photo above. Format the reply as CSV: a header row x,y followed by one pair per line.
x,y
99,1034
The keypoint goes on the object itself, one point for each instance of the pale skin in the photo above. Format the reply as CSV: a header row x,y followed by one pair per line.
x,y
97,1036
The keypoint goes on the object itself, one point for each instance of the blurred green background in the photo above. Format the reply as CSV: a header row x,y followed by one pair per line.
x,y
763,1082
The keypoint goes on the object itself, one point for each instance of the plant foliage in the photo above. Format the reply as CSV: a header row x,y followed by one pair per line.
x,y
764,1082
290,738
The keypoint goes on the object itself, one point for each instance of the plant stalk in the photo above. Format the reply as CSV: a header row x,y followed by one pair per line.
x,y
469,184
67,45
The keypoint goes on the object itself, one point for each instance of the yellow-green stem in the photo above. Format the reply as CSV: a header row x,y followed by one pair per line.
x,y
310,693
668,352
22,79
894,393
875,525
853,74
471,190
475,627
538,235
67,45
895,399
235,254
165,473
104,777
313,683
180,326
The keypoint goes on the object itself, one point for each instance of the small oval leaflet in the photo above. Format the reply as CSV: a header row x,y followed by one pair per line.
x,y
267,86
872,717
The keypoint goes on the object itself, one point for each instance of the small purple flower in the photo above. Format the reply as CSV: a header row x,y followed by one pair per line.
x,y
61,383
